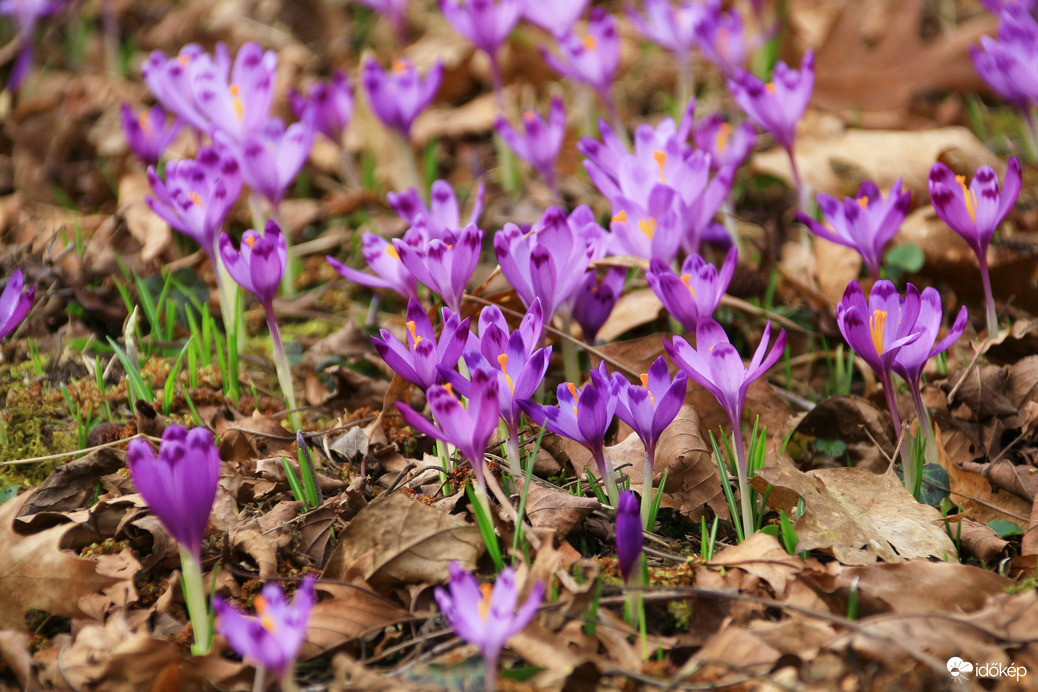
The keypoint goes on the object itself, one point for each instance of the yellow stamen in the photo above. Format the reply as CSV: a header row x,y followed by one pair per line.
x,y
251,240
968,197
661,158
503,362
645,383
239,108
401,65
877,325
863,202
770,86
196,199
723,133
484,606
391,251
647,226
590,42
621,217
414,337
576,397
261,609
685,278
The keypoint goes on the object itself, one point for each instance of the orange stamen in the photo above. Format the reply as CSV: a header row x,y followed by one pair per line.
x,y
877,325
770,86
239,108
145,123
502,360
184,60
529,116
590,42
251,240
196,199
645,383
414,337
621,217
723,133
968,197
685,278
401,65
261,609
576,397
661,158
484,606
863,202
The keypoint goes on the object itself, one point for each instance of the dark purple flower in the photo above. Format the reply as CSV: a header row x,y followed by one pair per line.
x,y
778,105
629,540
911,358
14,303
384,260
697,292
716,365
271,157
270,639
583,416
445,266
595,299
866,223
331,102
486,23
180,484
259,266
649,407
550,261
398,96
196,195
729,146
417,361
171,82
441,215
975,212
147,135
540,142
554,16
487,617
592,58
468,427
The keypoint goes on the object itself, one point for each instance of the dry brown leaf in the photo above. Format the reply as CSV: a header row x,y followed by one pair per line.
x,y
634,309
838,163
762,556
402,540
859,516
37,573
548,507
692,480
955,452
835,267
980,540
146,227
71,486
859,423
353,611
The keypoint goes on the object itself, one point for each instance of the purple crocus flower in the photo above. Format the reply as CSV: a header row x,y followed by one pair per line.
x,y
148,135
866,222
235,99
716,365
197,195
877,329
25,14
649,408
583,416
1001,6
778,105
445,266
271,639
697,292
592,58
670,26
170,81
331,102
1008,64
486,23
180,484
595,299
417,361
554,16
384,260
729,146
540,142
722,38
441,215
975,212
272,156
14,303
629,539
549,262
259,266
398,96
467,427
486,616
520,366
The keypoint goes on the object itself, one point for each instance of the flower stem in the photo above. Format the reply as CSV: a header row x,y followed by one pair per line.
x,y
741,470
650,459
512,449
989,299
570,359
906,452
194,598
925,424
605,469
282,366
407,157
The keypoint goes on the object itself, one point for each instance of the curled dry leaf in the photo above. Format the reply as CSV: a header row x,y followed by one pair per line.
x,y
144,225
858,423
402,540
763,557
353,611
692,480
548,507
71,486
860,517
37,574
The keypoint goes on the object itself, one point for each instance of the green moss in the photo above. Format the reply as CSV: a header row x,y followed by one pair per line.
x,y
32,425
1028,584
